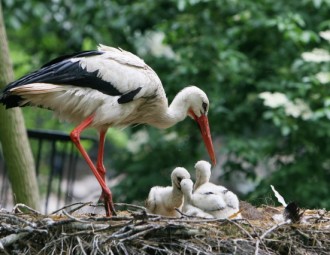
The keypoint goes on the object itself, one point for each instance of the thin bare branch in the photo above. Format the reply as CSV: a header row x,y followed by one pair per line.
x,y
136,232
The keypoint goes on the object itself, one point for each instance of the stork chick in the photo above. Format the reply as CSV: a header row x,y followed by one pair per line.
x,y
188,207
221,202
164,200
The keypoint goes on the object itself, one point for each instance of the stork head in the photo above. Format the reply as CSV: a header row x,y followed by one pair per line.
x,y
203,170
178,174
187,186
198,108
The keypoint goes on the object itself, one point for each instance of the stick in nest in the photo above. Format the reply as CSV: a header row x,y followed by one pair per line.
x,y
268,231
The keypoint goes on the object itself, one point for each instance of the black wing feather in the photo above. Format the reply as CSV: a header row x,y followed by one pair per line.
x,y
128,97
62,71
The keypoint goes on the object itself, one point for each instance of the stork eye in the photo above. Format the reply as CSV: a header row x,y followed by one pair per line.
x,y
179,179
204,105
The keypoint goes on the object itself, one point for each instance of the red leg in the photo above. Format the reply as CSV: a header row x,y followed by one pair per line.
x,y
99,164
106,193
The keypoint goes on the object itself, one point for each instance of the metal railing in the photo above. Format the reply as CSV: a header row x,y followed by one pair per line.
x,y
56,158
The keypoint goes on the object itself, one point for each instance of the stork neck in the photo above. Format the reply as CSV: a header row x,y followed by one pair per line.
x,y
176,112
201,179
175,188
187,196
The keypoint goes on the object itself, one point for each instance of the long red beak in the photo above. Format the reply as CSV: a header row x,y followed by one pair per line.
x,y
204,127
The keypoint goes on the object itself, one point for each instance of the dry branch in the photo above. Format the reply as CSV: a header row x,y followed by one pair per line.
x,y
70,230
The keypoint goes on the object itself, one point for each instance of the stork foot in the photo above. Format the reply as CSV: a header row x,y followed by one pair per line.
x,y
106,197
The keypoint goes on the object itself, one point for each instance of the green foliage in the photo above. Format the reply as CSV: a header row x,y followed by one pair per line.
x,y
236,51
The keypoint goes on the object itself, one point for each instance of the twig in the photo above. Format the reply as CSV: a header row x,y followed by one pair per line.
x,y
53,242
241,228
113,218
125,232
183,214
81,204
19,205
317,218
74,218
123,248
268,231
3,249
88,231
124,228
249,224
130,205
273,228
198,218
10,239
17,220
155,217
157,249
96,244
141,233
81,246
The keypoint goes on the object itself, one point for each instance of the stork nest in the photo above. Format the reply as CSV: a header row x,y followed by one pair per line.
x,y
133,231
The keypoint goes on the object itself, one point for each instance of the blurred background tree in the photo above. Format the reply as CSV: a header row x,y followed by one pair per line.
x,y
264,65
14,141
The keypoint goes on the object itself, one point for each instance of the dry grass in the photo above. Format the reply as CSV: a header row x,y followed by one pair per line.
x,y
132,231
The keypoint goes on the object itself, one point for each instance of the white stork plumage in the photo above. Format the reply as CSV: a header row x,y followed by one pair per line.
x,y
189,207
165,200
214,199
103,88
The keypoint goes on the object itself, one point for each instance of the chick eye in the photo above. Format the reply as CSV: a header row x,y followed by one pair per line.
x,y
204,105
208,193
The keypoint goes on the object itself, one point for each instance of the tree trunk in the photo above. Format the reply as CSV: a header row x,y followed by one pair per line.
x,y
13,137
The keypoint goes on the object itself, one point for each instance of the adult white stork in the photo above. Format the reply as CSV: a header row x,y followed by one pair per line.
x,y
103,88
